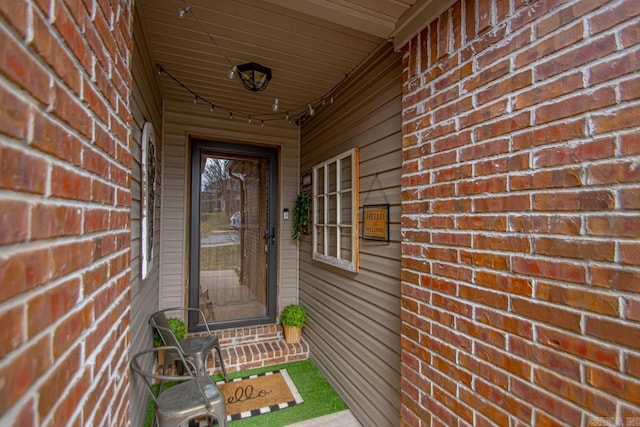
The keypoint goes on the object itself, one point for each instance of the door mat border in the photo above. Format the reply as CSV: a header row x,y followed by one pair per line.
x,y
297,398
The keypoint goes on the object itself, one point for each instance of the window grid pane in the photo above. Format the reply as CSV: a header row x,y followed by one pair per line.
x,y
346,212
335,211
320,218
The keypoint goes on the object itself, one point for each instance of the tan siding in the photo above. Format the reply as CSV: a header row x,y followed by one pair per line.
x,y
354,319
184,119
146,106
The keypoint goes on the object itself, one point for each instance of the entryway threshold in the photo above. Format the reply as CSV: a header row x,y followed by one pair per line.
x,y
337,419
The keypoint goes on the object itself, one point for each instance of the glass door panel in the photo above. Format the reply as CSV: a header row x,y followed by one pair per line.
x,y
231,233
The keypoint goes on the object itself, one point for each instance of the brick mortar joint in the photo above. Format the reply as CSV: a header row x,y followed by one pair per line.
x,y
85,76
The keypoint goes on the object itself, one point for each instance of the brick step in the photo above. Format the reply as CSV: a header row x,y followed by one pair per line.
x,y
255,347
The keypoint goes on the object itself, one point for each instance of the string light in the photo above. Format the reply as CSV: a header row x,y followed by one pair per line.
x,y
183,12
297,114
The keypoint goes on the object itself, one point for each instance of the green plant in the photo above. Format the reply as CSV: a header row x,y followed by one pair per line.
x,y
177,326
301,215
293,315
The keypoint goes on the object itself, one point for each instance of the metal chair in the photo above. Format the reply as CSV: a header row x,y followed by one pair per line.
x,y
192,397
193,349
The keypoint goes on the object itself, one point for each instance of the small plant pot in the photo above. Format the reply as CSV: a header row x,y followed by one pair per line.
x,y
292,334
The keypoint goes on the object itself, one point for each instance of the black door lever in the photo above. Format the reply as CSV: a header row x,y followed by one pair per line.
x,y
272,235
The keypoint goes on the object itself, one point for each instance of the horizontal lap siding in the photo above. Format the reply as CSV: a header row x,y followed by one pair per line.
x,y
181,120
146,107
354,319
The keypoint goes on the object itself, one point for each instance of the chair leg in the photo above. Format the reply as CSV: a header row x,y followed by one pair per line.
x,y
200,366
224,371
221,414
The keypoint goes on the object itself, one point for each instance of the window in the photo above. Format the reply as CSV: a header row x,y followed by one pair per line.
x,y
335,211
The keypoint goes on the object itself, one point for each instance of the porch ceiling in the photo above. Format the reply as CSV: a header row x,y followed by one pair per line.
x,y
309,45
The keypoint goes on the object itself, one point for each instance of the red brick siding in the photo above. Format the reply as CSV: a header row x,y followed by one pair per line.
x,y
65,153
521,189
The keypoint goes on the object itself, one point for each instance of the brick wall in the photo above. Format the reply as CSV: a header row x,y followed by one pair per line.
x,y
64,211
521,199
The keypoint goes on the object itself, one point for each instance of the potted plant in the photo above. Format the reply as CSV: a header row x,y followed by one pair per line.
x,y
293,318
301,215
179,329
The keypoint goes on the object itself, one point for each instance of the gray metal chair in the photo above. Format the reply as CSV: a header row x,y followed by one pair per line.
x,y
193,349
192,397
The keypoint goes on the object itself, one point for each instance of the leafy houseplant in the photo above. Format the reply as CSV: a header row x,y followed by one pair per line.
x,y
301,215
178,328
293,318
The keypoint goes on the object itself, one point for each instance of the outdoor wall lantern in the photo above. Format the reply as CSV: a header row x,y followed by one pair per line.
x,y
254,77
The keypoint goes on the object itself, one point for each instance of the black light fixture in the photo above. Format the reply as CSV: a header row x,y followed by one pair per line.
x,y
254,77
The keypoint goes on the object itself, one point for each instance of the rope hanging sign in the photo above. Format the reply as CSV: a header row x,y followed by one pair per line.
x,y
375,218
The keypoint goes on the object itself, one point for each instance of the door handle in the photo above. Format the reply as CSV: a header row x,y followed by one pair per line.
x,y
272,235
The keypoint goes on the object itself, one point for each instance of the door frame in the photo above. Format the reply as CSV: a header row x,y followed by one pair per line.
x,y
272,154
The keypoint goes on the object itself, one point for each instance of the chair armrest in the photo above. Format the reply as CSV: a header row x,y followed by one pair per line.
x,y
188,309
135,366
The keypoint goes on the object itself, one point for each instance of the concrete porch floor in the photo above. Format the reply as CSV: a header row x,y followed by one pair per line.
x,y
339,419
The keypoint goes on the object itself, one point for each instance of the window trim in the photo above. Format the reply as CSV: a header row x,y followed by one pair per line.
x,y
351,265
147,198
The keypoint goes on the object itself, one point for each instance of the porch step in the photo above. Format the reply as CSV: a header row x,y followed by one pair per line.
x,y
255,347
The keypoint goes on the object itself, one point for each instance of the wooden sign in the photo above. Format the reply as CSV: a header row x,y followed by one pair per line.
x,y
376,222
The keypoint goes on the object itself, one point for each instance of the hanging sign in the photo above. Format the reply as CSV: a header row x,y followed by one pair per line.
x,y
376,222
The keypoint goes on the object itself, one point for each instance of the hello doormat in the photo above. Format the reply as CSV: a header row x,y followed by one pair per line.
x,y
259,394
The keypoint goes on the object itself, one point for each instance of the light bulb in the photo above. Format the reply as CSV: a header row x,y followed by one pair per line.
x,y
212,108
286,116
276,105
262,123
232,73
230,116
250,120
195,99
183,12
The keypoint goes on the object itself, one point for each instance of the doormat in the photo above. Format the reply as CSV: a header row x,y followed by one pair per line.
x,y
259,394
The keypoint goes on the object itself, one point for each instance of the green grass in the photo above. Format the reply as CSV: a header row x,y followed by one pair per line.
x,y
318,395
213,221
215,258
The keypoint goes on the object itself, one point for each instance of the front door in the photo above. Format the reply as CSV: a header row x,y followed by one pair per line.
x,y
232,254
